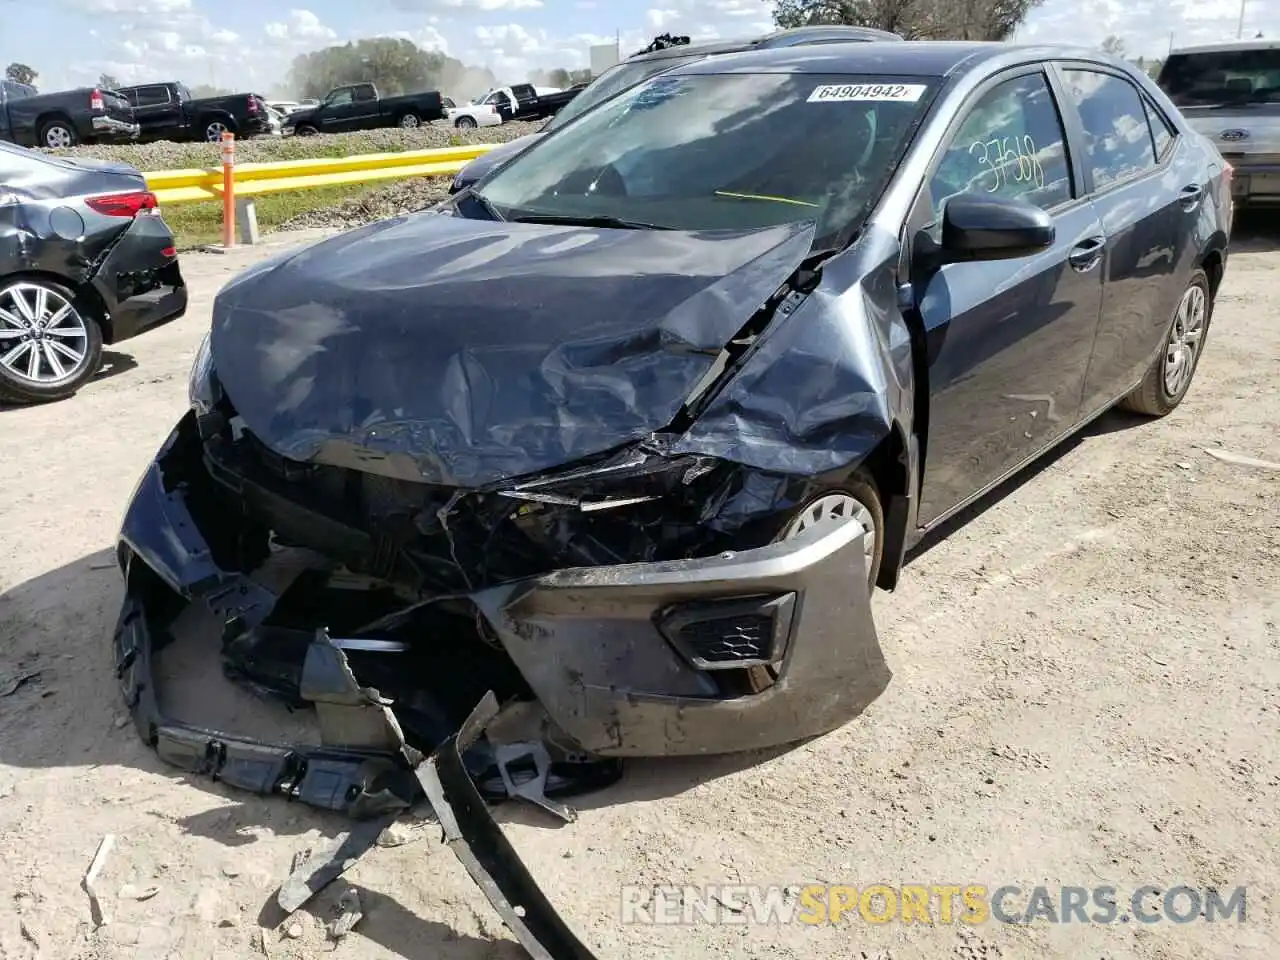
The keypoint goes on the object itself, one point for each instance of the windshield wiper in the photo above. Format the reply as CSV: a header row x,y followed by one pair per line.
x,y
486,205
595,220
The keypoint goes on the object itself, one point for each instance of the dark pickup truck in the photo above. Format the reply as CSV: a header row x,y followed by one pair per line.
x,y
63,119
167,111
357,106
523,101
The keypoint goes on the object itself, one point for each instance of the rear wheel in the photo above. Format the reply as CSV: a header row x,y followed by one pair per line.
x,y
1169,377
410,121
856,501
49,346
58,134
215,127
465,123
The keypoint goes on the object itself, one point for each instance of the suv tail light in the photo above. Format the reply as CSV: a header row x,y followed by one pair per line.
x,y
124,204
253,104
95,101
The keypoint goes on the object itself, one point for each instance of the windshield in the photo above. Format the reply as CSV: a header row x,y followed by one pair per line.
x,y
1222,78
612,82
733,151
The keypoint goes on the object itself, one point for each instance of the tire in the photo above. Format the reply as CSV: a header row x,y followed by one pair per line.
x,y
305,130
409,121
465,123
1173,369
57,134
215,127
855,498
21,331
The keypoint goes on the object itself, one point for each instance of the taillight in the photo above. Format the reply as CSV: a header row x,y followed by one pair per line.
x,y
169,252
253,104
1228,173
124,204
95,101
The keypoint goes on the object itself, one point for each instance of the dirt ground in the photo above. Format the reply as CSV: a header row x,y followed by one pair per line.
x,y
1086,692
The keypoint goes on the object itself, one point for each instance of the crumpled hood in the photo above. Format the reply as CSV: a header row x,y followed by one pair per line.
x,y
463,352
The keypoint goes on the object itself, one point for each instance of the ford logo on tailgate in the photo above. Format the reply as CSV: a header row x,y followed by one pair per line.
x,y
1231,136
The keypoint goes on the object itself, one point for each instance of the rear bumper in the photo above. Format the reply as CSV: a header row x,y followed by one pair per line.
x,y
140,283
628,660
1255,179
110,126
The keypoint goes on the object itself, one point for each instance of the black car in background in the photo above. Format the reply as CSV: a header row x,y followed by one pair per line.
x,y
168,111
65,118
359,106
85,259
642,66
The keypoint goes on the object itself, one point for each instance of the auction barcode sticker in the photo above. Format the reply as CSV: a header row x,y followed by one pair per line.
x,y
909,92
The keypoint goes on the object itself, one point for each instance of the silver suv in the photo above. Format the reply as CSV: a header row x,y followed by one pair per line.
x,y
1230,93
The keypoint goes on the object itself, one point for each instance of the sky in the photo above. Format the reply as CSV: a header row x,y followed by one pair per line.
x,y
248,44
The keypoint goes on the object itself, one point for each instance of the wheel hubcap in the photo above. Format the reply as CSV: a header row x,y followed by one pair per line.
x,y
43,338
1184,341
840,507
58,137
409,121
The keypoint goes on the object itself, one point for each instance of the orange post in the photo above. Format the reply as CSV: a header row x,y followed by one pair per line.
x,y
228,189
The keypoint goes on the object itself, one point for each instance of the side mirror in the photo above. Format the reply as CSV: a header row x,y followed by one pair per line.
x,y
992,228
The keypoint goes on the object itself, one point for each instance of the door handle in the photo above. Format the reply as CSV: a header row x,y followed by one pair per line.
x,y
1087,254
1190,195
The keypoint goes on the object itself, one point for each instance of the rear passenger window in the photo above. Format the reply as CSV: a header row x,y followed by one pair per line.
x,y
1161,133
151,96
1011,144
1117,137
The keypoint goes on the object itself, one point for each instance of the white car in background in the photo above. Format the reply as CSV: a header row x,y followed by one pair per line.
x,y
471,115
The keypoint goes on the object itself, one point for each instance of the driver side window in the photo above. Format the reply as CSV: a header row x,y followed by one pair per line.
x,y
1010,145
341,98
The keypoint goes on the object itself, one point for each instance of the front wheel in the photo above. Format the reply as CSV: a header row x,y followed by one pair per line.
x,y
306,130
1169,377
49,347
465,123
856,501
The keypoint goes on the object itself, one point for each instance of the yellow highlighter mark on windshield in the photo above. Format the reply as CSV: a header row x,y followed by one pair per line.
x,y
761,196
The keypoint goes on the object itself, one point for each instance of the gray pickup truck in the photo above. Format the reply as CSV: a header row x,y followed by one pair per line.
x,y
63,119
1230,93
358,106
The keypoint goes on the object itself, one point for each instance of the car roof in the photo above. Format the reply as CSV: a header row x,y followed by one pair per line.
x,y
1230,47
779,38
917,58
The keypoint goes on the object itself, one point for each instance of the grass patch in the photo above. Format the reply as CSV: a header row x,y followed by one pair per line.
x,y
196,224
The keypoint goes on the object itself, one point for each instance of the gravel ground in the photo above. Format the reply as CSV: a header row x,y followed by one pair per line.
x,y
179,156
1086,691
403,196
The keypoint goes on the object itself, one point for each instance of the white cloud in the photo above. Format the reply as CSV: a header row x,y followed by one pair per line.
x,y
302,26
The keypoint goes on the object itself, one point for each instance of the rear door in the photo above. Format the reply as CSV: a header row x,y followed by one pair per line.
x,y
1149,202
1008,341
155,109
365,115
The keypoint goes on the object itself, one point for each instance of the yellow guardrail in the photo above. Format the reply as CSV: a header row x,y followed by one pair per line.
x,y
187,186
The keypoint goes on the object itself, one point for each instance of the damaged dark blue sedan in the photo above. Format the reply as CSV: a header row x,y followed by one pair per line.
x,y
625,433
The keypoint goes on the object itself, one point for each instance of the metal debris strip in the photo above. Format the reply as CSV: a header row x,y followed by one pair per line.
x,y
479,843
314,872
90,881
534,788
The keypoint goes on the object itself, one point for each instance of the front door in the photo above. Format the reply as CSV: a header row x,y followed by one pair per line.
x,y
1008,341
339,111
1132,158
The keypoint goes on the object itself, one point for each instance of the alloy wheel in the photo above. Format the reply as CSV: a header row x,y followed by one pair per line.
x,y
1184,341
43,337
410,121
57,137
214,131
838,507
